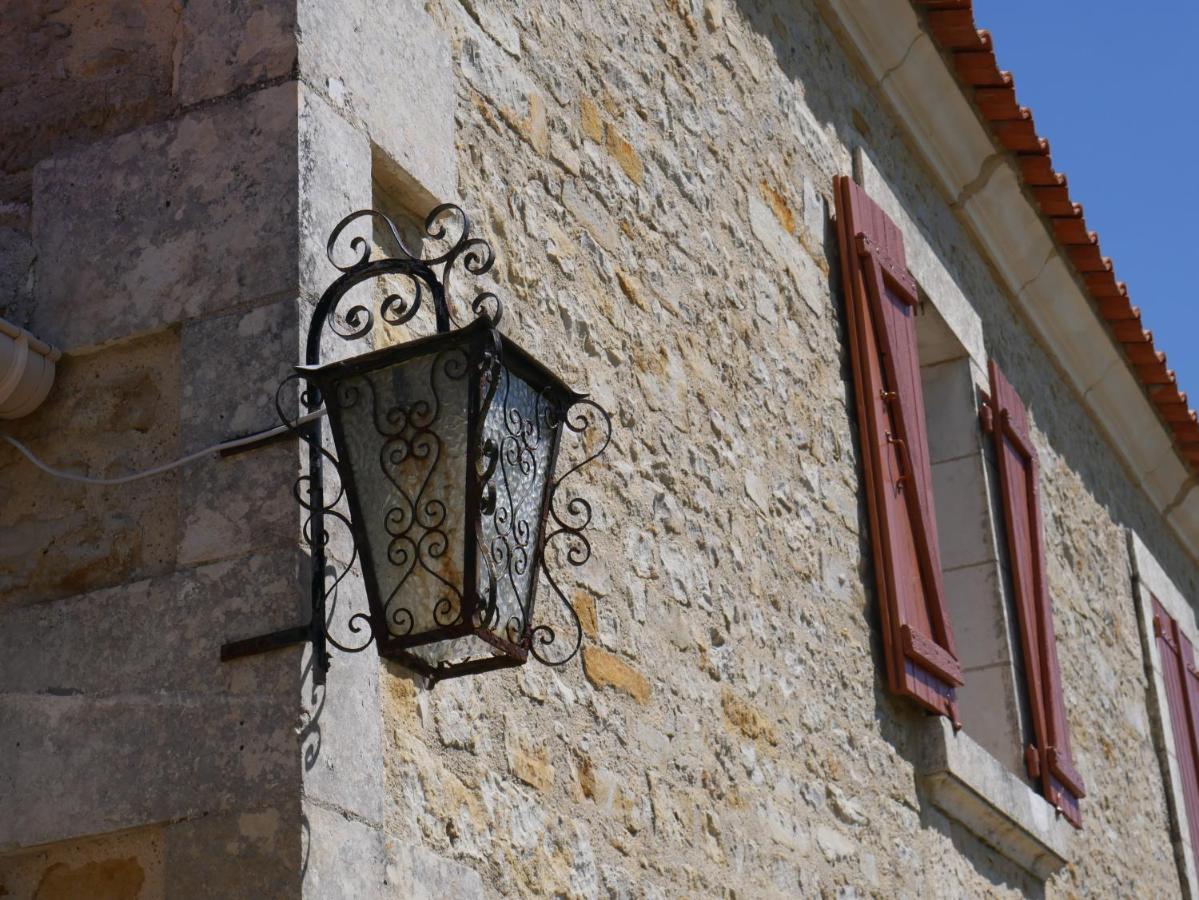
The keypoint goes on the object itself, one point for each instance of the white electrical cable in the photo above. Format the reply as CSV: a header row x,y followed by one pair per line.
x,y
191,457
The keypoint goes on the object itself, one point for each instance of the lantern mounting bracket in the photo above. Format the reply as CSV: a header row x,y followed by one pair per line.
x,y
424,278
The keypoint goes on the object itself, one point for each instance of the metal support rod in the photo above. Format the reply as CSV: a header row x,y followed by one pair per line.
x,y
263,642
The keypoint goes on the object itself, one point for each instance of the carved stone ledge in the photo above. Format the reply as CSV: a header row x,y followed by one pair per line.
x,y
973,788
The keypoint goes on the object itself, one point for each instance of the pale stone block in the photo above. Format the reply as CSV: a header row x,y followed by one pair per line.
x,y
1170,479
935,340
160,635
237,505
980,625
148,757
1009,228
344,52
334,181
169,222
925,89
245,855
949,410
990,711
1082,346
1117,402
885,39
963,517
975,789
228,44
1185,517
231,368
342,733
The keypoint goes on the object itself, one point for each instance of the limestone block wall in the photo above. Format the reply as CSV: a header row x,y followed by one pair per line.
x,y
150,231
153,203
659,181
656,179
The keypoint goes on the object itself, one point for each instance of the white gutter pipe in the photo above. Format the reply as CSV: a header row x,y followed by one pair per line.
x,y
26,371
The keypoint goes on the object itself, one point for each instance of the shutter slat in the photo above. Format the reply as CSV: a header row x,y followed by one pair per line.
x,y
1019,477
880,295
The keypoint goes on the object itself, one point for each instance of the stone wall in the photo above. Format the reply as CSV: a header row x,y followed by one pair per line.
x,y
150,230
659,183
656,179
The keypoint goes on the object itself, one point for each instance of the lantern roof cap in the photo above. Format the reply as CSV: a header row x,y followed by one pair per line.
x,y
512,353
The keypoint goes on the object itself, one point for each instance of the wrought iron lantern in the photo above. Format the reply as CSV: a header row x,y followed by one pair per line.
x,y
446,448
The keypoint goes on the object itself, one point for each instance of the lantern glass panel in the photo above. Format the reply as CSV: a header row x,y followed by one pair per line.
x,y
405,443
522,426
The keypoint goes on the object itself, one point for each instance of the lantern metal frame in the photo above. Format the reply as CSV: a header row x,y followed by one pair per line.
x,y
488,355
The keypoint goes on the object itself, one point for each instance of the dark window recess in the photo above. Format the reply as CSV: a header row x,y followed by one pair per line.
x,y
1049,759
880,299
1182,697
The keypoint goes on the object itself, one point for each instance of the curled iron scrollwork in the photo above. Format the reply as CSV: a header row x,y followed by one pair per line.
x,y
566,524
446,224
318,510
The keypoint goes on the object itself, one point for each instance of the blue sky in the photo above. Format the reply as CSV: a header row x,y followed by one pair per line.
x,y
1112,86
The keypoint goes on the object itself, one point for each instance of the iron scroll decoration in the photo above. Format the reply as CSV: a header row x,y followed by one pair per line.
x,y
449,525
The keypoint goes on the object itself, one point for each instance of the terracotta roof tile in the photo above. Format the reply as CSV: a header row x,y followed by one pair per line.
x,y
954,29
978,68
1037,169
1054,200
951,24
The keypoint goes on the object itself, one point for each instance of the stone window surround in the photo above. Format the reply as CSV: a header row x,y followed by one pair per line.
x,y
1149,579
962,778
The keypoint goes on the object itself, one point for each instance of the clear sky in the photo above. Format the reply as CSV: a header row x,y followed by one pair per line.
x,y
1112,86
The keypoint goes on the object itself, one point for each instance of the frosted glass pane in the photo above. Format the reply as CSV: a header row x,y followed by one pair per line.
x,y
405,429
520,422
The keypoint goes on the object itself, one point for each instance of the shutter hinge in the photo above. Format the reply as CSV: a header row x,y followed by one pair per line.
x,y
986,417
901,452
1032,759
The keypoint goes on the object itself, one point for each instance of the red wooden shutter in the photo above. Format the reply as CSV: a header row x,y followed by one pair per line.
x,y
880,299
1049,759
1182,698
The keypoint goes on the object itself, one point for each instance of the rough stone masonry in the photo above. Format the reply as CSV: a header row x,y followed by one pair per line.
x,y
657,181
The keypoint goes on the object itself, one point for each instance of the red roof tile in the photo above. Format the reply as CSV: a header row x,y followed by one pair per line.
x,y
951,24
